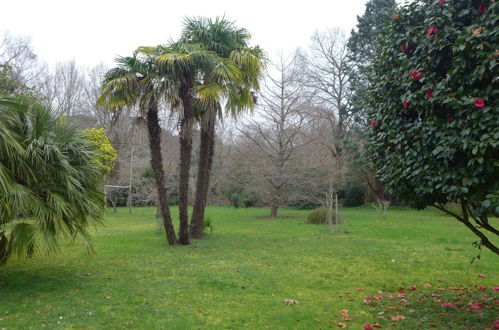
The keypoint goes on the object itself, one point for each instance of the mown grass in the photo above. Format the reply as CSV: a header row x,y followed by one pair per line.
x,y
239,276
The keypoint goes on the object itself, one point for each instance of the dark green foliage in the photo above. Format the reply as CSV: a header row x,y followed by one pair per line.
x,y
354,194
234,200
304,205
434,109
362,48
318,216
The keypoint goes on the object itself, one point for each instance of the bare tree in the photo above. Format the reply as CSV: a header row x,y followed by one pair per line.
x,y
327,80
18,63
276,133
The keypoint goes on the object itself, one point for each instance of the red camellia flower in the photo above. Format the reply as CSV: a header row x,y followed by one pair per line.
x,y
395,18
496,324
429,93
479,102
374,123
496,288
405,104
450,118
432,30
369,327
441,2
481,8
416,75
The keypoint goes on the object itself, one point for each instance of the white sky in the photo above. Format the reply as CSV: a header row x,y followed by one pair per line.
x,y
91,31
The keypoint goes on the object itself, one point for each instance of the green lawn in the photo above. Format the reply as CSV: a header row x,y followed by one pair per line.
x,y
239,276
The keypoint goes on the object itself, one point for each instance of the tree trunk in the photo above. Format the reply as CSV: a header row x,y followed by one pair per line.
x,y
185,162
3,248
206,151
159,175
273,210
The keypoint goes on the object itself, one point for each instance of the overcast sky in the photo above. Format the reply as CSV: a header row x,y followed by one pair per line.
x,y
91,31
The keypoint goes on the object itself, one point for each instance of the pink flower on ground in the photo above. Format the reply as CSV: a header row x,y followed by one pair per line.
x,y
416,75
496,288
435,295
481,287
476,305
391,297
441,2
481,8
412,287
376,325
379,298
374,123
432,30
448,304
404,301
369,327
429,93
405,104
496,324
479,102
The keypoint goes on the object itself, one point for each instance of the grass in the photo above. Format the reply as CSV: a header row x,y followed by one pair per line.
x,y
239,276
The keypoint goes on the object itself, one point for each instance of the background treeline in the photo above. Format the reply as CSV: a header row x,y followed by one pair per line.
x,y
304,139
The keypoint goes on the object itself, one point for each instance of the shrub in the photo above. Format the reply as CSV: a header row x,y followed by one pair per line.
x,y
234,200
318,216
434,110
208,224
354,194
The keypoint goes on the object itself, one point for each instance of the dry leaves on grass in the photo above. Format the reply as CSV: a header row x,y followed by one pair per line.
x,y
291,301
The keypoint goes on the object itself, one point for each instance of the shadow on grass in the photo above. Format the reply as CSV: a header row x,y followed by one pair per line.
x,y
26,283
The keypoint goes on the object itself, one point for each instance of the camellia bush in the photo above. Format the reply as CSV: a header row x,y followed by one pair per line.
x,y
435,111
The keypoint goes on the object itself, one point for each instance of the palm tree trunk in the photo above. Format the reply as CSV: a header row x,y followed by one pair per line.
x,y
206,151
185,163
3,248
159,175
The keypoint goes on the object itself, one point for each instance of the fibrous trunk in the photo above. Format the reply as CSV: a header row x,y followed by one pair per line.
x,y
3,248
206,151
159,175
185,163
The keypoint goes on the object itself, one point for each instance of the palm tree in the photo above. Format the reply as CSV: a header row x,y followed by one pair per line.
x,y
184,62
49,180
135,80
233,78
